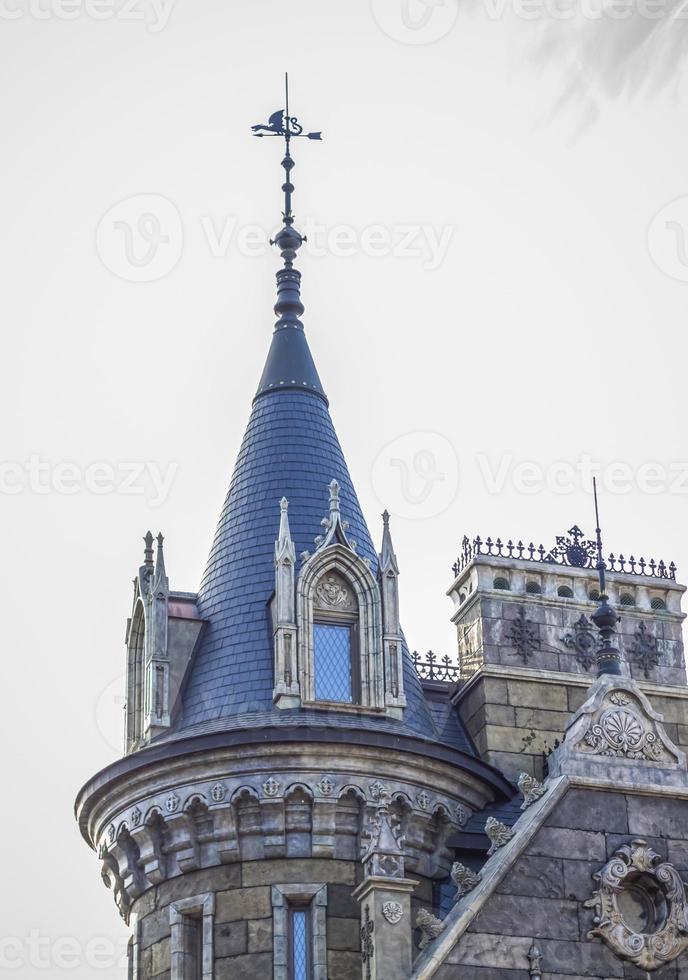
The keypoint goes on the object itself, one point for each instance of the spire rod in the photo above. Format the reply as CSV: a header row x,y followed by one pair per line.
x,y
607,657
288,306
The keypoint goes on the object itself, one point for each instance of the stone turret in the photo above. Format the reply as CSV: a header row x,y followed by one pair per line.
x,y
527,641
269,713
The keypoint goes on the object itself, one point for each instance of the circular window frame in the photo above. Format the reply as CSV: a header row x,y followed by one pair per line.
x,y
633,863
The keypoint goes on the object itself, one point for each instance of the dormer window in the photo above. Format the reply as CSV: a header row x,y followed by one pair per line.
x,y
336,623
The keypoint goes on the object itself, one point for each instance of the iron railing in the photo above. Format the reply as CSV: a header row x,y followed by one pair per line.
x,y
572,550
434,668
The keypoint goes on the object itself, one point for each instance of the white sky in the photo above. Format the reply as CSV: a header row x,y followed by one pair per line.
x,y
547,331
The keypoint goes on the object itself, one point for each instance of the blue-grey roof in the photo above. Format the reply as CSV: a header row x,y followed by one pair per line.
x,y
290,449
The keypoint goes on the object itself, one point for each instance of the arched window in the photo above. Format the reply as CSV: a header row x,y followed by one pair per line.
x,y
501,583
657,603
336,659
533,588
626,599
565,592
594,595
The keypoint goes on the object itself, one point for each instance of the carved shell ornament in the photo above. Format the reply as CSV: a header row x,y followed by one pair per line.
x,y
640,906
621,732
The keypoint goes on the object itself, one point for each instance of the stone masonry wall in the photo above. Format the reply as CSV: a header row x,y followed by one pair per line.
x,y
513,720
243,933
540,632
542,896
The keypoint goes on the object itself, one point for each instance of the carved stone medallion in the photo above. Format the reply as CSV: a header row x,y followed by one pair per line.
x,y
271,786
333,592
218,793
640,907
392,911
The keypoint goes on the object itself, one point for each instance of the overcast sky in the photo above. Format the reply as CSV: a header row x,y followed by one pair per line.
x,y
495,289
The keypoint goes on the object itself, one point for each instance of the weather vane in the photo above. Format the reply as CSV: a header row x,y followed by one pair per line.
x,y
282,124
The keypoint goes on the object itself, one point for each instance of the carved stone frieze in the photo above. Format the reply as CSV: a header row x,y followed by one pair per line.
x,y
640,905
226,818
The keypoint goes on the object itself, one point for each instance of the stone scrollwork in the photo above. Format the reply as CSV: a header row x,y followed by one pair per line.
x,y
531,789
498,833
464,879
640,907
621,732
430,927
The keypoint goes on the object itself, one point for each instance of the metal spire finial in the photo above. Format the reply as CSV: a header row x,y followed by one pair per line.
x,y
605,618
288,307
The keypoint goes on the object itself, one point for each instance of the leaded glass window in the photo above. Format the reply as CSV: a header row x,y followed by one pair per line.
x,y
299,944
333,662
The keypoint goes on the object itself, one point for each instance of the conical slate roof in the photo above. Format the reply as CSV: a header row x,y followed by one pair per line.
x,y
290,449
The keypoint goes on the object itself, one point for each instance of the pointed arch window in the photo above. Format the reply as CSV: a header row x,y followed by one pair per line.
x,y
336,659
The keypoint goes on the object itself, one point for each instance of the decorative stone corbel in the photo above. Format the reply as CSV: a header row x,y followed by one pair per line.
x,y
498,833
531,789
286,691
430,927
464,879
388,576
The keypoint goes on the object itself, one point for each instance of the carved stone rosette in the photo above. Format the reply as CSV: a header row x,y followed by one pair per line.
x,y
636,866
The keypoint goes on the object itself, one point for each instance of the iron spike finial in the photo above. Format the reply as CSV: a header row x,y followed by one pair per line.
x,y
288,306
605,619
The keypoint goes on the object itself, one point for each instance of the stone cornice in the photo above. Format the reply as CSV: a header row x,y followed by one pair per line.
x,y
242,802
181,752
537,675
